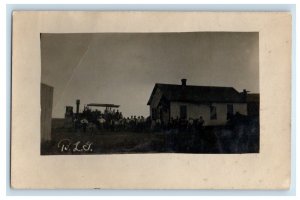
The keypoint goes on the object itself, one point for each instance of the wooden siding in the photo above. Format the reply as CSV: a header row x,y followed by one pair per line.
x,y
194,111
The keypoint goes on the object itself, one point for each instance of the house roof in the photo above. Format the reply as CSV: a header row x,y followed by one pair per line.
x,y
198,94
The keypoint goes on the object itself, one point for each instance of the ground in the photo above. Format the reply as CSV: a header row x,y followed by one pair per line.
x,y
237,139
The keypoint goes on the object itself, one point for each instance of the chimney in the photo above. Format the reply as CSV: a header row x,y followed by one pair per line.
x,y
77,106
183,82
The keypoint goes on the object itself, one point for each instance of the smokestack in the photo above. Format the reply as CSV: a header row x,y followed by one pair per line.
x,y
77,106
183,82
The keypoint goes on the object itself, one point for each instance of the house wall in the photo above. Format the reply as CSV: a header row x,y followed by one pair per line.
x,y
155,100
196,110
46,112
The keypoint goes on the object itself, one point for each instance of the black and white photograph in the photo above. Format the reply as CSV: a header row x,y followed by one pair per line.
x,y
137,100
137,93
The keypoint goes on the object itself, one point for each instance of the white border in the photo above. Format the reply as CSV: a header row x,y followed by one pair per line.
x,y
5,83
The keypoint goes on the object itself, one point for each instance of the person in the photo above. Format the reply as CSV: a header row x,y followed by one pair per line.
x,y
126,123
138,123
142,123
131,123
153,125
117,124
76,123
101,121
135,122
201,123
183,124
123,123
190,124
112,124
84,122
158,124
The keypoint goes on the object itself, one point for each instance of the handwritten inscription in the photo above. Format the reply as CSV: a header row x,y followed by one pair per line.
x,y
66,145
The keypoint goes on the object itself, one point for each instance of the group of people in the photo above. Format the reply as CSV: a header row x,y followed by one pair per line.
x,y
113,120
132,123
110,119
178,125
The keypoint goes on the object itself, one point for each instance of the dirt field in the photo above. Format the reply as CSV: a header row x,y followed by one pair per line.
x,y
210,140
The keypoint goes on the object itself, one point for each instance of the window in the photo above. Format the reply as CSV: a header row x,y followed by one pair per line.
x,y
213,112
183,112
229,111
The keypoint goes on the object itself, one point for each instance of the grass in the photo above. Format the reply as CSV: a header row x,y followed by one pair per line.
x,y
242,139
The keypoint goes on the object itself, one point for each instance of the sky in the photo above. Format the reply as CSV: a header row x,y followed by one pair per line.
x,y
122,68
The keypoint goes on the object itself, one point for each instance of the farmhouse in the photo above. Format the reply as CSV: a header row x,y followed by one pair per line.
x,y
213,104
